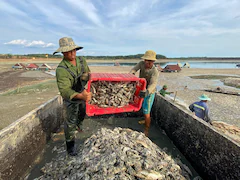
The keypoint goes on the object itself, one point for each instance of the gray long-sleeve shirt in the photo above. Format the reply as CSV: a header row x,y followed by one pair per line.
x,y
151,75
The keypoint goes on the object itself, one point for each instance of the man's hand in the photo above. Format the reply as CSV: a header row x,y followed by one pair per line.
x,y
86,96
143,94
132,72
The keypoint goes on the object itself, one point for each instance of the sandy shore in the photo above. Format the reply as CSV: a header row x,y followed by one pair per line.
x,y
225,108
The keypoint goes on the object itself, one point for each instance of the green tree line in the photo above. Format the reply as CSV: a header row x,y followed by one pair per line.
x,y
28,56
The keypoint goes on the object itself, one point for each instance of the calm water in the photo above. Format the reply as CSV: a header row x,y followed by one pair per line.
x,y
193,64
90,126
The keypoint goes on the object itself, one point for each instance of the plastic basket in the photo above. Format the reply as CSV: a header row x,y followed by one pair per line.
x,y
92,110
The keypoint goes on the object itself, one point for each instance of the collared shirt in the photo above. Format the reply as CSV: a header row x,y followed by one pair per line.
x,y
65,80
201,110
151,75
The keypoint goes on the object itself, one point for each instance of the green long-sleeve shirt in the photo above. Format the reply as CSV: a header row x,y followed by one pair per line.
x,y
151,75
65,80
163,92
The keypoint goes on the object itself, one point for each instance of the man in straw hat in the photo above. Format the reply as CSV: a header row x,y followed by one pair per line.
x,y
150,73
201,109
72,76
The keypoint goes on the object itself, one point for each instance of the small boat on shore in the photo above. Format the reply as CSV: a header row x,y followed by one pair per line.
x,y
238,65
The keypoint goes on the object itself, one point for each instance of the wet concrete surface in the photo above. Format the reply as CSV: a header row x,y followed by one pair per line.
x,y
92,125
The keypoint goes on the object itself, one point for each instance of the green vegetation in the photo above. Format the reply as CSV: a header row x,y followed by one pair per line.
x,y
39,87
29,56
137,56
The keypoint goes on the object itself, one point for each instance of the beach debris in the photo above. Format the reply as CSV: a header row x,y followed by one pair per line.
x,y
120,153
229,130
112,94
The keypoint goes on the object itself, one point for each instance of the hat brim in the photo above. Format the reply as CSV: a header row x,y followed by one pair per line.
x,y
147,58
67,48
204,99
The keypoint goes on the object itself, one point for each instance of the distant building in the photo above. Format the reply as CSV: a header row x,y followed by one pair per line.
x,y
179,64
186,65
116,64
19,66
159,68
32,66
172,68
45,67
54,66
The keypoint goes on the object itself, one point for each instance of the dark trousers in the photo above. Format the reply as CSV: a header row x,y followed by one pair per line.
x,y
74,116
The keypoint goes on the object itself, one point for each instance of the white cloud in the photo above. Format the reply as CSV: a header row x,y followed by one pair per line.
x,y
35,43
49,45
26,43
17,42
123,27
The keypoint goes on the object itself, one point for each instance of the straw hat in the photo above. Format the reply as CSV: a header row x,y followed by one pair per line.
x,y
204,97
149,55
67,44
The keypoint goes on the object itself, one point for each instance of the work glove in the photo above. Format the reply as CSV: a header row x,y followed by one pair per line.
x,y
144,93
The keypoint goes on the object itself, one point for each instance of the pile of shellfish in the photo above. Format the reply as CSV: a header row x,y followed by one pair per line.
x,y
117,154
112,94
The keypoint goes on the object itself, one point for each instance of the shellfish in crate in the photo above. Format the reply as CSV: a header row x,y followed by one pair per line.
x,y
114,93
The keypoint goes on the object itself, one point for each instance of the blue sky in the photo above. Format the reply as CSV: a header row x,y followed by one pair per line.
x,y
174,28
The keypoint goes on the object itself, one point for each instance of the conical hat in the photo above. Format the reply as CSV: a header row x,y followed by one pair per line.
x,y
204,97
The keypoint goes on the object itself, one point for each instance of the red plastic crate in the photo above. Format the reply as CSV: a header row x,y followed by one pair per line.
x,y
92,110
